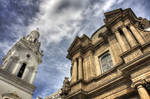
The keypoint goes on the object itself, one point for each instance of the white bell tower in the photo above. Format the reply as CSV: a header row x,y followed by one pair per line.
x,y
19,68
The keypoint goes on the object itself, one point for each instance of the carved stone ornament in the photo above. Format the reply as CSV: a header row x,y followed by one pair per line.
x,y
137,83
10,96
142,23
66,87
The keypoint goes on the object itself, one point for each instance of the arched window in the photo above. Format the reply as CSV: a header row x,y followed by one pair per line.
x,y
21,71
106,62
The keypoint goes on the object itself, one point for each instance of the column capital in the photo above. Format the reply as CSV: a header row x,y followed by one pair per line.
x,y
138,83
147,80
80,57
115,30
123,26
73,60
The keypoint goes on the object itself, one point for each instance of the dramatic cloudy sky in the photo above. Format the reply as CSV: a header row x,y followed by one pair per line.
x,y
59,21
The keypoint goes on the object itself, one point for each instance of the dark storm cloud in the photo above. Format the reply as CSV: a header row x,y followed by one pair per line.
x,y
70,4
16,12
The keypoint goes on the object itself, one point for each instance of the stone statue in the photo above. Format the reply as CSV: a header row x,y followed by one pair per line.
x,y
66,87
142,23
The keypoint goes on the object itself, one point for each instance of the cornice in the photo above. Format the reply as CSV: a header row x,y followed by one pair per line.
x,y
17,82
76,93
136,62
138,46
73,43
83,50
120,15
137,83
101,88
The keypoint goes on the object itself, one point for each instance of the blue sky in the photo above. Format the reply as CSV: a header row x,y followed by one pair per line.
x,y
59,21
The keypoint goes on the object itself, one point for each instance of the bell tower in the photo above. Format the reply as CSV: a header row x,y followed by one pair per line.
x,y
19,67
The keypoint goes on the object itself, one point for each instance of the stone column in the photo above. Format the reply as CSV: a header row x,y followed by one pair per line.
x,y
25,74
115,49
17,68
74,72
80,68
142,92
129,36
121,41
137,34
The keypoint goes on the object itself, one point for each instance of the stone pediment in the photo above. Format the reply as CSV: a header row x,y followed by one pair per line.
x,y
110,16
79,41
119,14
79,44
75,43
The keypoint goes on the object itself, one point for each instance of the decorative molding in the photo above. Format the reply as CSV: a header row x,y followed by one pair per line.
x,y
10,95
15,81
142,23
137,83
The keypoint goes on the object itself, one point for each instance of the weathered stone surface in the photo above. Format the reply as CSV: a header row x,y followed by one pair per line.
x,y
129,48
19,68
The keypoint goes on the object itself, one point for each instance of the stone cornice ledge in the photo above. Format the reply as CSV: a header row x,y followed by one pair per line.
x,y
137,83
76,93
107,84
137,61
147,44
15,81
102,87
130,51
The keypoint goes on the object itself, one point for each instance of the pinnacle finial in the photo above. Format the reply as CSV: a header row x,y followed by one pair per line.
x,y
33,36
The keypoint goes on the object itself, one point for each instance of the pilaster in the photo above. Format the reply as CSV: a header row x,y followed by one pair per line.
x,y
141,90
121,41
74,72
129,37
33,77
80,68
137,34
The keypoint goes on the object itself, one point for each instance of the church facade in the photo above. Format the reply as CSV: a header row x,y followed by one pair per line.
x,y
19,68
114,63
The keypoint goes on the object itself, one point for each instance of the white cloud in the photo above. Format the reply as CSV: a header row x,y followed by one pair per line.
x,y
58,19
54,26
5,46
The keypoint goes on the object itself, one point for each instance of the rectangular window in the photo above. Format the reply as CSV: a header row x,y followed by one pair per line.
x,y
105,62
21,71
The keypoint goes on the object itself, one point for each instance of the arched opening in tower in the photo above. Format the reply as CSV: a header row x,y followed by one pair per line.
x,y
21,71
